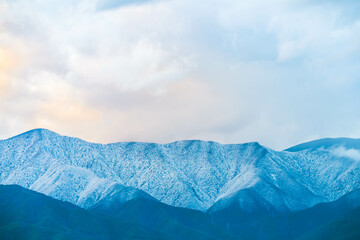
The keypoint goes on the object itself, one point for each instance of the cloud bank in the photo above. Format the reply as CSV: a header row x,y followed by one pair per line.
x,y
279,72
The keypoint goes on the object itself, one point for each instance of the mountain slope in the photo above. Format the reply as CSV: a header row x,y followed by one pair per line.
x,y
192,174
177,223
293,225
29,215
346,228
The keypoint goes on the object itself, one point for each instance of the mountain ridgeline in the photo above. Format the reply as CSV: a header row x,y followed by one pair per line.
x,y
205,190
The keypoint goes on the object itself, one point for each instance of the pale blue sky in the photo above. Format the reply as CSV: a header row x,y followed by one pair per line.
x,y
278,72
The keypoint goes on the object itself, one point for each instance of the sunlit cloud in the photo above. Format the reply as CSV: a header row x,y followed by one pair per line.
x,y
7,62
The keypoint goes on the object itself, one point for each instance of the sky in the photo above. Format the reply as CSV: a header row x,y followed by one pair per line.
x,y
273,71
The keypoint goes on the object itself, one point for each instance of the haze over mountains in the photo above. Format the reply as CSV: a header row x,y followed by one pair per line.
x,y
236,184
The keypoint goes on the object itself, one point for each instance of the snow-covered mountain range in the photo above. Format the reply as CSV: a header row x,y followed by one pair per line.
x,y
193,174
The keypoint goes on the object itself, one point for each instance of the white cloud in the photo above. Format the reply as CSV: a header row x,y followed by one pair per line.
x,y
349,153
277,72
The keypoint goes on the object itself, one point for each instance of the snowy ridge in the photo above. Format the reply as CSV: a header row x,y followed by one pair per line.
x,y
193,174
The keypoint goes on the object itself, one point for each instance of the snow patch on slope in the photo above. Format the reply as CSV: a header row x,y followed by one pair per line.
x,y
246,178
76,185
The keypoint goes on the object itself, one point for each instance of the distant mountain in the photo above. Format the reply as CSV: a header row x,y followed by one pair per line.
x,y
327,143
29,215
207,176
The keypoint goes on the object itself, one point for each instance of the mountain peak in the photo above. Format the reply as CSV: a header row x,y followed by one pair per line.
x,y
40,133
